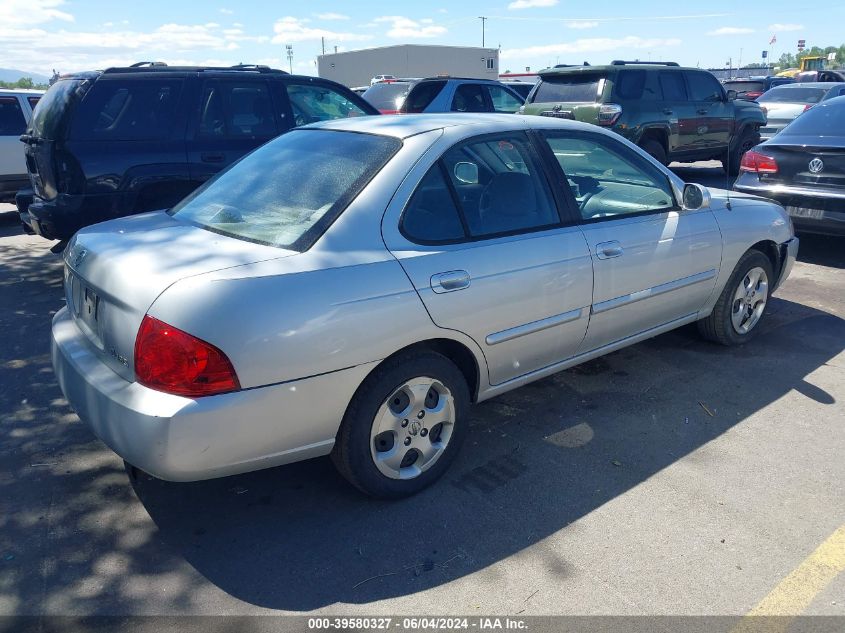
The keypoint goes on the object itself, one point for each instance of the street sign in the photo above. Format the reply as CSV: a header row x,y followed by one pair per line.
x,y
801,44
764,54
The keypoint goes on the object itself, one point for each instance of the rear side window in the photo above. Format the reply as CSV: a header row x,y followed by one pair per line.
x,y
469,98
128,110
12,121
33,101
704,87
630,84
673,87
422,95
289,191
431,216
580,88
315,102
236,109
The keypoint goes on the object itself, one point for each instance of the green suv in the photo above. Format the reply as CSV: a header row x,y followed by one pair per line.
x,y
673,113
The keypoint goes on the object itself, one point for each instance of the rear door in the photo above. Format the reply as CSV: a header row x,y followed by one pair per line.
x,y
482,242
653,263
233,116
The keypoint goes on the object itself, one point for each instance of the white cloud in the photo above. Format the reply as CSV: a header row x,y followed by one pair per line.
x,y
226,11
332,16
731,30
405,28
589,45
785,27
582,24
29,12
290,29
531,4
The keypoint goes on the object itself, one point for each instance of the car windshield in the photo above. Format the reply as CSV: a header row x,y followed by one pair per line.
x,y
580,88
824,120
387,96
793,95
289,191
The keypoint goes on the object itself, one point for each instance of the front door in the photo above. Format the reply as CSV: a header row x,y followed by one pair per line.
x,y
653,263
714,113
482,242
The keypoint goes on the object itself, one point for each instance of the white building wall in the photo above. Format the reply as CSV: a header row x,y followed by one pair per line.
x,y
356,68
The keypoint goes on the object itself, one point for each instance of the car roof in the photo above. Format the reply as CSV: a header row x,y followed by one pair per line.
x,y
612,68
811,84
406,125
21,91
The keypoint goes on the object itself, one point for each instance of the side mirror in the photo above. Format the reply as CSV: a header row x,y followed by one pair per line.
x,y
731,95
466,173
695,197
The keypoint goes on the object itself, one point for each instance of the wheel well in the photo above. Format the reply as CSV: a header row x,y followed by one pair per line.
x,y
456,352
655,135
770,250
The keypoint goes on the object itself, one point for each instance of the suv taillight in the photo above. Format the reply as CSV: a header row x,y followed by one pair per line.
x,y
69,176
609,114
758,163
170,360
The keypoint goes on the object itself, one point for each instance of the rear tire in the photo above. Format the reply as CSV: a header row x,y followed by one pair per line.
x,y
733,157
736,317
404,425
655,149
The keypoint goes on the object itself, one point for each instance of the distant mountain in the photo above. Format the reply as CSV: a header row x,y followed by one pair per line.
x,y
11,74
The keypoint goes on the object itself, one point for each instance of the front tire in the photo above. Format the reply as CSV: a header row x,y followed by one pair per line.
x,y
404,425
737,314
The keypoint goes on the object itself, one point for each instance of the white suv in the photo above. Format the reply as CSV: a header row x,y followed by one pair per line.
x,y
379,78
16,108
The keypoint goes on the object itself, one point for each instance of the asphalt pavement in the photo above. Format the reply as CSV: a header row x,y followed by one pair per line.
x,y
675,477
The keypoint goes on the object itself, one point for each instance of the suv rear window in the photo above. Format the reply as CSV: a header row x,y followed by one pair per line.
x,y
745,86
139,110
387,96
49,117
422,95
580,88
289,191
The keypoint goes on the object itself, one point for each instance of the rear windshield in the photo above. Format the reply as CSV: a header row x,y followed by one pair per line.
x,y
289,191
422,95
49,118
746,86
387,96
827,119
793,95
139,110
580,88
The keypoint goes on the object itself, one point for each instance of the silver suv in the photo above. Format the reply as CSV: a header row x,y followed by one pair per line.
x,y
16,108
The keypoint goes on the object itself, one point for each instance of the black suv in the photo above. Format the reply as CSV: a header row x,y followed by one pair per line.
x,y
127,140
673,113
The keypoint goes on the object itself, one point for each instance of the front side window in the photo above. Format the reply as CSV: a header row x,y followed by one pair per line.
x,y
136,110
704,87
315,102
469,98
608,180
12,121
503,101
287,192
236,109
497,185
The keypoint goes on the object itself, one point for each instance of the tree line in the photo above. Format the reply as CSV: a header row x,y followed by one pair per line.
x,y
23,82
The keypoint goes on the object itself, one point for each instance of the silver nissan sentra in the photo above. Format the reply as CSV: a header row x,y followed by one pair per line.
x,y
351,287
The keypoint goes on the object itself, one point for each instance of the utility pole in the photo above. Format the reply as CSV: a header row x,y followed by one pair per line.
x,y
483,24
323,41
289,50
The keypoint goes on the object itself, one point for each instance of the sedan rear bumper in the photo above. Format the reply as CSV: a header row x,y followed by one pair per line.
x,y
811,210
182,439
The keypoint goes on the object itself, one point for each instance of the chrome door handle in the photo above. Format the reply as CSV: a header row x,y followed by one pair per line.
x,y
607,250
450,281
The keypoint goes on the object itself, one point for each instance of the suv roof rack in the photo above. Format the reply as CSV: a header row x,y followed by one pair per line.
x,y
622,62
161,66
262,68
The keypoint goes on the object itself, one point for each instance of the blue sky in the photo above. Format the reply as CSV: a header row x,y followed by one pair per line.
x,y
39,35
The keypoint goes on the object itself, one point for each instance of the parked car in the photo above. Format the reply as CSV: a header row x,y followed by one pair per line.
x,y
673,113
803,168
454,94
127,140
784,103
359,90
824,76
16,108
749,88
388,96
351,287
379,78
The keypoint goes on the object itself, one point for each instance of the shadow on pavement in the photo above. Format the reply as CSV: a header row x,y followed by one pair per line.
x,y
73,539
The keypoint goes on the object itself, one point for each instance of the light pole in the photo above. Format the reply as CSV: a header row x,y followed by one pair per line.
x,y
483,24
289,50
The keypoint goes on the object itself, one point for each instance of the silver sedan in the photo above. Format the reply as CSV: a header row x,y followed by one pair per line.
x,y
351,287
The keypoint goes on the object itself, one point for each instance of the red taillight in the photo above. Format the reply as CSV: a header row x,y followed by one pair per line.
x,y
758,163
752,95
609,114
807,106
170,360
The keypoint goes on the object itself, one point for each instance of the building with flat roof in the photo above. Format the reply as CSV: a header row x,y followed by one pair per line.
x,y
357,68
